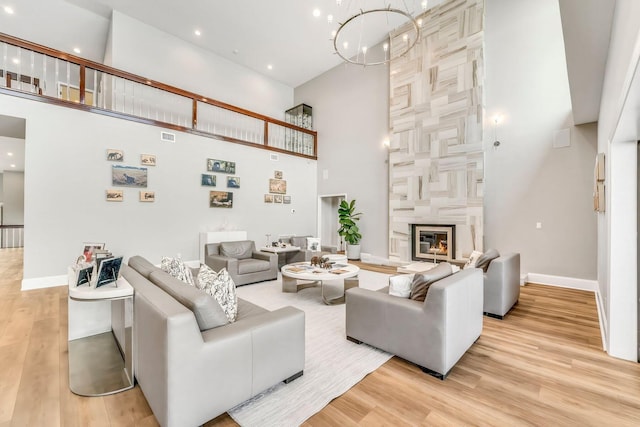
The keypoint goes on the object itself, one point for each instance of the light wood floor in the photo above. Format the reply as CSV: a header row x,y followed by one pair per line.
x,y
543,365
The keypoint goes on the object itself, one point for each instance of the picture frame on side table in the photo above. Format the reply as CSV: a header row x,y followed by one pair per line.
x,y
108,271
89,249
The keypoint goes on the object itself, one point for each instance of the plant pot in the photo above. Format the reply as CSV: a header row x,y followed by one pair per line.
x,y
353,251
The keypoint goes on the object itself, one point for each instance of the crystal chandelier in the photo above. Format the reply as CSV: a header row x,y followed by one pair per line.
x,y
362,36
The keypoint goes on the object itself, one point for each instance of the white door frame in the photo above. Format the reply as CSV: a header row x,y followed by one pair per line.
x,y
325,196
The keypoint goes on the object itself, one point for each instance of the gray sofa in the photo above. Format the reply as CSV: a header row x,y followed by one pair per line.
x,y
502,285
191,371
434,335
304,254
242,261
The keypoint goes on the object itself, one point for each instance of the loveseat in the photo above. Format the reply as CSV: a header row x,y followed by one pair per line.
x,y
191,364
502,285
433,334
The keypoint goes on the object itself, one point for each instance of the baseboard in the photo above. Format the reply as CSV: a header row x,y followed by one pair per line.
x,y
563,282
602,319
44,282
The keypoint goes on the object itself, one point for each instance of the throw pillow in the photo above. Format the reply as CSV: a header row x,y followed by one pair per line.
x,y
486,258
473,259
422,281
221,287
400,285
176,268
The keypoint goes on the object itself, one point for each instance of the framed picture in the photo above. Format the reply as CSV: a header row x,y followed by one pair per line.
x,y
233,182
277,198
224,166
313,243
278,186
115,155
277,174
208,180
114,195
268,198
128,176
220,199
147,196
286,200
84,276
148,159
108,271
89,249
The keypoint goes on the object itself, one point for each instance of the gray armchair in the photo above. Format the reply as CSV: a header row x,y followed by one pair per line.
x,y
304,254
433,334
242,261
502,285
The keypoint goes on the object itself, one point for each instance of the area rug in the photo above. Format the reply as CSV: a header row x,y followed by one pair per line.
x,y
333,365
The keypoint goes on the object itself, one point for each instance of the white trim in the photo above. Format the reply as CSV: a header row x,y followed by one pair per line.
x,y
563,282
602,320
44,282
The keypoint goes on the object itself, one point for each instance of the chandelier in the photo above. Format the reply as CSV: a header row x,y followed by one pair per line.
x,y
362,36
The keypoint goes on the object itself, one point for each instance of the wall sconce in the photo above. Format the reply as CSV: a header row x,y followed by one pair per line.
x,y
496,121
386,143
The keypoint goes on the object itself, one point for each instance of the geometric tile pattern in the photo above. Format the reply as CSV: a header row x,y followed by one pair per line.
x,y
436,160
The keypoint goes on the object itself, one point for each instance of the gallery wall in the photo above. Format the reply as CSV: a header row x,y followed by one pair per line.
x,y
67,175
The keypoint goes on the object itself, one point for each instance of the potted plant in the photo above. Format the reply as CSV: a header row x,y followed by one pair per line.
x,y
347,217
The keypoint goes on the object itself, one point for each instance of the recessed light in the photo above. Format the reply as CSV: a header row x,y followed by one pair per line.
x,y
316,12
236,51
8,10
76,50
197,33
15,60
13,166
9,154
270,67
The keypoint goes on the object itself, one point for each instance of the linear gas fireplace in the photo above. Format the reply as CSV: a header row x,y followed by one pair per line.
x,y
433,242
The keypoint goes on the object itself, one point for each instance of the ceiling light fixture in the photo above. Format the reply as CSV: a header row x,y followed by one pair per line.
x,y
197,33
9,154
316,13
270,67
77,50
15,60
358,38
12,165
8,10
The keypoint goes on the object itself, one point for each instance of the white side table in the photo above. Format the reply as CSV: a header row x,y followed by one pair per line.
x,y
101,339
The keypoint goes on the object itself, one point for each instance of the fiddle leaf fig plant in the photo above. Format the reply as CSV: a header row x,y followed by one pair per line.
x,y
347,217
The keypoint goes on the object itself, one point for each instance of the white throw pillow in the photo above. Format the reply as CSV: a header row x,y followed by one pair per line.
x,y
177,268
473,259
221,287
400,286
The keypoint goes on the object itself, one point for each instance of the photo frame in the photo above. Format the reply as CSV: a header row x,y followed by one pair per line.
x,y
220,199
128,176
224,166
114,155
268,198
108,271
277,174
286,200
89,248
233,182
207,180
84,275
114,195
278,186
147,196
148,159
277,198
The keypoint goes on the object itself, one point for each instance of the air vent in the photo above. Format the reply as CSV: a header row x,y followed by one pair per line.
x,y
167,137
274,157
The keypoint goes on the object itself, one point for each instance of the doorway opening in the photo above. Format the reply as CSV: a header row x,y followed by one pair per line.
x,y
328,220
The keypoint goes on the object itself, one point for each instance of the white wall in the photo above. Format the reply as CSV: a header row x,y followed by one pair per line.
x,y
616,274
351,113
13,198
1,187
527,180
146,51
68,176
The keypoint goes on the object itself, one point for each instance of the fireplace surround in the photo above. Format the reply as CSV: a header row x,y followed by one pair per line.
x,y
433,242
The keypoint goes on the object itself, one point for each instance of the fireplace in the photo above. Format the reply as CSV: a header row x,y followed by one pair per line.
x,y
433,242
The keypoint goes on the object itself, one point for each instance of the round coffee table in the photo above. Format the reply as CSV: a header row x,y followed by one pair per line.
x,y
312,276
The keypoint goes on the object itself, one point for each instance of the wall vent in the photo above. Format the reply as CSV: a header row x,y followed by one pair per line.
x,y
167,137
274,157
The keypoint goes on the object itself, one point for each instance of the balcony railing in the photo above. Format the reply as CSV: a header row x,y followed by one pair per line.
x,y
40,73
11,236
